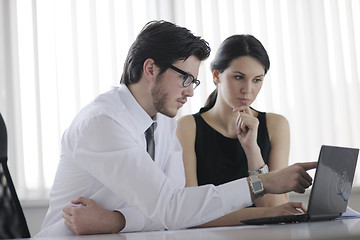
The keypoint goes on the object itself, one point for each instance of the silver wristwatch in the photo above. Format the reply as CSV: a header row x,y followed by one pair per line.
x,y
256,186
263,169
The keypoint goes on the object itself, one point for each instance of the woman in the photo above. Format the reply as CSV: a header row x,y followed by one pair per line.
x,y
228,139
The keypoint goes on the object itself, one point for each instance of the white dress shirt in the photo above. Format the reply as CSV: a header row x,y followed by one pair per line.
x,y
103,157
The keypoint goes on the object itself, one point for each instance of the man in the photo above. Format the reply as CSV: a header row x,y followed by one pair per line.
x,y
104,151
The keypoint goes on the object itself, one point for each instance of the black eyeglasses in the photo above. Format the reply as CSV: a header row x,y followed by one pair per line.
x,y
188,79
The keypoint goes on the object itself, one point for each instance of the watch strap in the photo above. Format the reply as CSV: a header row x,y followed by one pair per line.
x,y
263,169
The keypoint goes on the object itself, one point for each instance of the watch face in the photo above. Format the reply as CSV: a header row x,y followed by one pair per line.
x,y
257,186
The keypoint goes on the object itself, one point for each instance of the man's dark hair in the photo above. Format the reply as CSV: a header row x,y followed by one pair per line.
x,y
165,43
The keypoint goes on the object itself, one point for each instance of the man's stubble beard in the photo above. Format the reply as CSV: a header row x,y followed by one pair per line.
x,y
160,97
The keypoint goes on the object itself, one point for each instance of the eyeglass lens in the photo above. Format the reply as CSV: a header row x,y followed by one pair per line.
x,y
188,80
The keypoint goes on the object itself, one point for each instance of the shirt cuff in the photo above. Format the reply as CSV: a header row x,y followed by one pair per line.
x,y
134,220
235,195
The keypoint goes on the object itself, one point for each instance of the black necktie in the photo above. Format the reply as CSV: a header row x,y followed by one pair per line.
x,y
150,142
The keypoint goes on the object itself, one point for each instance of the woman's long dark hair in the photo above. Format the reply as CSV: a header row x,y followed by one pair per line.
x,y
233,47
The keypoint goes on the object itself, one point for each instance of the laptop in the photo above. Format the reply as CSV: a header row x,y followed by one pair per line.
x,y
331,188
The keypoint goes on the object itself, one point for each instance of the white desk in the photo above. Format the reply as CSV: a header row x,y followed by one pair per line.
x,y
339,229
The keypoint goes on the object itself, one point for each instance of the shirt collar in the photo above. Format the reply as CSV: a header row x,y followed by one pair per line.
x,y
138,115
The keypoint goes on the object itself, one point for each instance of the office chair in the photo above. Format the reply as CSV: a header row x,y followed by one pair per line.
x,y
12,220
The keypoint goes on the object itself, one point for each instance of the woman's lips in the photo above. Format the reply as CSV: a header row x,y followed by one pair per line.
x,y
244,101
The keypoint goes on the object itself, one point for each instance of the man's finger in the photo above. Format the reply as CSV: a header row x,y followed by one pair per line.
x,y
307,165
76,201
299,205
67,210
307,177
66,217
81,200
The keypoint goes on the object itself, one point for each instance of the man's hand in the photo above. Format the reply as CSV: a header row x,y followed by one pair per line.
x,y
289,208
90,218
286,209
292,178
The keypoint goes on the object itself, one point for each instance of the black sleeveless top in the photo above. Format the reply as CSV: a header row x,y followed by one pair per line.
x,y
221,159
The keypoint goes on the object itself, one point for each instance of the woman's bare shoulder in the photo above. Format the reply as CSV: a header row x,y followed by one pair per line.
x,y
186,121
278,126
275,120
186,127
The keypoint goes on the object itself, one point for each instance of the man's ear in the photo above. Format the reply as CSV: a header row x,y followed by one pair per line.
x,y
149,69
215,74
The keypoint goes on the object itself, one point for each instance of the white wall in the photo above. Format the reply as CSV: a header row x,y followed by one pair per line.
x,y
34,216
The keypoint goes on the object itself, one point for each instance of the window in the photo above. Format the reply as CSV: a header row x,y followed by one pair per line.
x,y
60,54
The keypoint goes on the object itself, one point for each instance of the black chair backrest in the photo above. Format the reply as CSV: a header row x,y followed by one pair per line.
x,y
12,220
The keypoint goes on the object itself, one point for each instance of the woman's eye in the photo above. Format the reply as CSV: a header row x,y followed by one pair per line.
x,y
239,77
257,80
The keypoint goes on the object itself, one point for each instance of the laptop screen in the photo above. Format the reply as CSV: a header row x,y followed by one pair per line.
x,y
333,182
